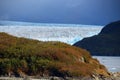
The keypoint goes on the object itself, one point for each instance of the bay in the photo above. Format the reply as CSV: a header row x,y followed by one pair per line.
x,y
112,63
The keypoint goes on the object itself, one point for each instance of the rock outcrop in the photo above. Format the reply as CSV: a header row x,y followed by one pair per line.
x,y
106,43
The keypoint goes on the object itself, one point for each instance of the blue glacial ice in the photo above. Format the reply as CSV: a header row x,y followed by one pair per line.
x,y
68,33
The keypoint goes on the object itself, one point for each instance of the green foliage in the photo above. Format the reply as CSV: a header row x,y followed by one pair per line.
x,y
32,57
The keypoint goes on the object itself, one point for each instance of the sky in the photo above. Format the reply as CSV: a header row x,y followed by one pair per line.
x,y
89,12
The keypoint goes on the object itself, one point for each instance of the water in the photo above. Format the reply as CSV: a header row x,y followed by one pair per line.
x,y
112,63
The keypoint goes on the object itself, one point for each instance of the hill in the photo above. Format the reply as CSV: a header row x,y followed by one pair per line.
x,y
21,56
106,43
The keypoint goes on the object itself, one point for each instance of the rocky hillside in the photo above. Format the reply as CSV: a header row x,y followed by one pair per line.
x,y
21,56
106,43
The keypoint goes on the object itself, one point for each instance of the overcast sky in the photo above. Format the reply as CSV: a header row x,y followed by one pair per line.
x,y
95,12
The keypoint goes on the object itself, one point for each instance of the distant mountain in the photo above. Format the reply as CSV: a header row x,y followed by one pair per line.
x,y
18,23
106,43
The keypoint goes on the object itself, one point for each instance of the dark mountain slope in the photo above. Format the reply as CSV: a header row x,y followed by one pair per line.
x,y
106,43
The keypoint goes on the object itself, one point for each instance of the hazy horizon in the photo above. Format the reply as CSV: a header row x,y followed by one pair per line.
x,y
25,23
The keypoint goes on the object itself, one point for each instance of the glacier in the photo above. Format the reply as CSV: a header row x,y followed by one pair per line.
x,y
67,33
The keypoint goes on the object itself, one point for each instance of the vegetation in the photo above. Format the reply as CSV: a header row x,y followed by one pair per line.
x,y
21,56
106,43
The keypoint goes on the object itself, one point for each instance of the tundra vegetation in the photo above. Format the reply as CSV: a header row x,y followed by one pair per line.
x,y
20,56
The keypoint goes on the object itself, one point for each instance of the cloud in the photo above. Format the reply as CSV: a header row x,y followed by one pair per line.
x,y
4,17
65,11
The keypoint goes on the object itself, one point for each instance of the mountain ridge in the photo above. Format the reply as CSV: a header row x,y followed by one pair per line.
x,y
106,43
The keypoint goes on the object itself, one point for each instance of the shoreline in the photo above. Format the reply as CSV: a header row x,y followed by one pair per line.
x,y
113,76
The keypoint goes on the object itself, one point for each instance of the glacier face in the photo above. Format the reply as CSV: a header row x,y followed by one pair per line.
x,y
64,33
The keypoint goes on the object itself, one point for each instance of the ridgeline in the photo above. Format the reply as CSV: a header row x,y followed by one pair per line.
x,y
106,43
